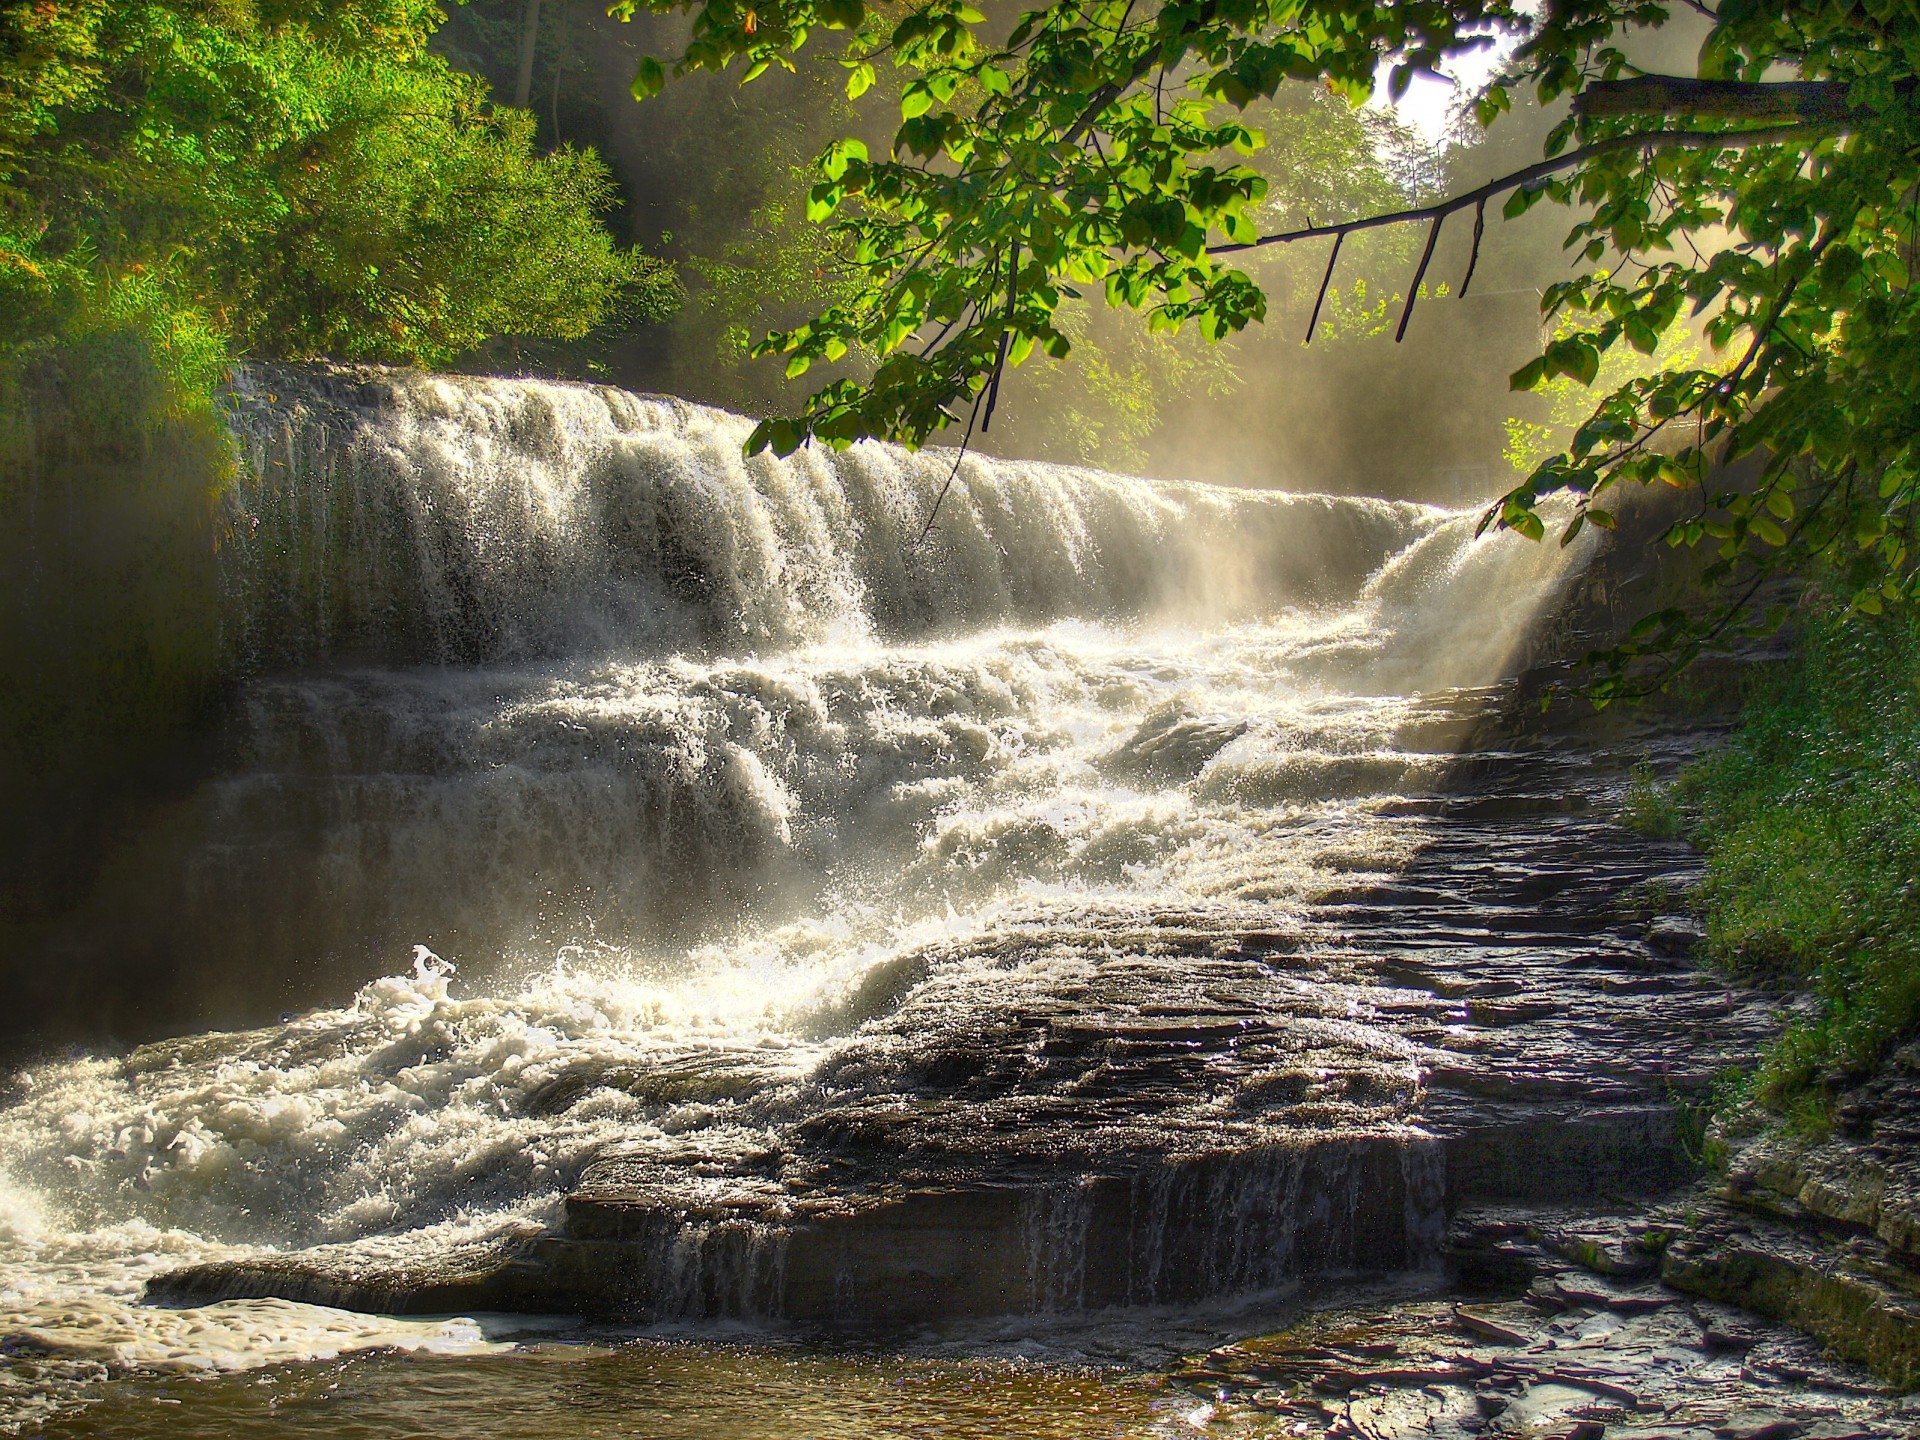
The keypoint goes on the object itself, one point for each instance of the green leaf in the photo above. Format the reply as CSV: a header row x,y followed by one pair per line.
x,y
822,200
649,79
1586,364
1239,229
834,162
1521,201
1529,375
860,80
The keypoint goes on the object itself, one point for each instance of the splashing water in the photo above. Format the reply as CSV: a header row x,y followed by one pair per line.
x,y
694,765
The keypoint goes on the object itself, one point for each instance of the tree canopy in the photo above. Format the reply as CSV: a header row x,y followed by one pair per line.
x,y
1767,192
284,178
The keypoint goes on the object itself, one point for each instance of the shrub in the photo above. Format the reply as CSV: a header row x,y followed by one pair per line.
x,y
1811,819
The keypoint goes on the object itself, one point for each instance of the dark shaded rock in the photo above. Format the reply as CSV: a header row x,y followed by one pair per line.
x,y
1676,934
1789,1275
1643,1370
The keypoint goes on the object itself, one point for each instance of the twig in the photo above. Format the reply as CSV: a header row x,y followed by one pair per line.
x,y
1006,337
1540,169
1413,290
958,456
1719,99
1473,255
1325,280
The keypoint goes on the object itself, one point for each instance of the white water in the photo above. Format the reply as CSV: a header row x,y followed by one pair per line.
x,y
724,763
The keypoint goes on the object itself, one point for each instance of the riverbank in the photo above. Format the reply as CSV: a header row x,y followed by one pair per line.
x,y
1809,818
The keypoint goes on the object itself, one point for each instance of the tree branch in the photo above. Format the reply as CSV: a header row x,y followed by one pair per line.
x,y
1473,255
1333,259
1413,290
1540,169
1779,100
1006,338
966,441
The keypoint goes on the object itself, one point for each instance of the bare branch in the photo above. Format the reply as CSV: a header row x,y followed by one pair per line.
x,y
1006,337
1473,255
1419,274
1333,258
953,474
1540,169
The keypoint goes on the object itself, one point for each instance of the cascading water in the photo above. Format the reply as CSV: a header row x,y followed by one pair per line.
x,y
699,768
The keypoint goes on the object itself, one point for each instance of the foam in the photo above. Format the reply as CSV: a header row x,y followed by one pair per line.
x,y
1087,704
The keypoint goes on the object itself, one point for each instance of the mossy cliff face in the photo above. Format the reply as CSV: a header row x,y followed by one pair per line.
x,y
110,642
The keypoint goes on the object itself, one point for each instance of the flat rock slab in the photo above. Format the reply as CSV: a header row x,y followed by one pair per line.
x,y
1091,1107
1581,1353
1660,1369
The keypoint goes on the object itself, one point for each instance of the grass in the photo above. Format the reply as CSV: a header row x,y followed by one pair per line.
x,y
1650,807
1811,822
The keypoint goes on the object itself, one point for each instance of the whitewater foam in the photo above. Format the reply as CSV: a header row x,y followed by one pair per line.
x,y
694,766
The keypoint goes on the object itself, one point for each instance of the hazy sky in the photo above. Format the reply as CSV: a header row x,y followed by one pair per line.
x,y
1427,103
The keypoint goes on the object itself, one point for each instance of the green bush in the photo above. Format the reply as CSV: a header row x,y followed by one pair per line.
x,y
1811,820
183,183
297,179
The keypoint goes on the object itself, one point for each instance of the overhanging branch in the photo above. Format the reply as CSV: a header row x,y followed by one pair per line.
x,y
1781,100
1541,169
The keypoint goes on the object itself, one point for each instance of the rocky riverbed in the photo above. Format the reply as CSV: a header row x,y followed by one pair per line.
x,y
1497,1061
1162,1108
1560,1329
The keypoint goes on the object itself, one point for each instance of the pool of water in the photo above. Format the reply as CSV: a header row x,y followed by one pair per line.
x,y
660,1390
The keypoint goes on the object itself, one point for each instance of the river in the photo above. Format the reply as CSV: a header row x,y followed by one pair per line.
x,y
592,791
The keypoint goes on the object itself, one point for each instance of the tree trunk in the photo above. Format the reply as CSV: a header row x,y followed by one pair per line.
x,y
529,35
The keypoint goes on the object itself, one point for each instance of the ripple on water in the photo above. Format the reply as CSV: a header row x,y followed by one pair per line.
x,y
659,1391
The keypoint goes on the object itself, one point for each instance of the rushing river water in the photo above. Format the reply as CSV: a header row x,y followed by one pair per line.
x,y
577,750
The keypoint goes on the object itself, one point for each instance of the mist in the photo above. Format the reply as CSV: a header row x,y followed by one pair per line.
x,y
713,176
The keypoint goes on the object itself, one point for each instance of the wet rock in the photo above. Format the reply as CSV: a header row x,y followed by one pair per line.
x,y
1821,1230
1171,745
1676,934
1132,1108
1843,1296
1866,1177
1509,1369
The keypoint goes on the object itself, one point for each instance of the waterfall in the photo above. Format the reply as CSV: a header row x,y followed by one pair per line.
x,y
736,805
535,665
402,518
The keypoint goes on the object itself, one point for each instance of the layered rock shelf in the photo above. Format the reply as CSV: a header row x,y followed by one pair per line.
x,y
1154,1108
1570,1336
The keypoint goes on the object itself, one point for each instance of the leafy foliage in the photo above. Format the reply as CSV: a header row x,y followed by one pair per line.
x,y
1811,819
298,178
1798,258
1072,156
1101,148
1531,443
